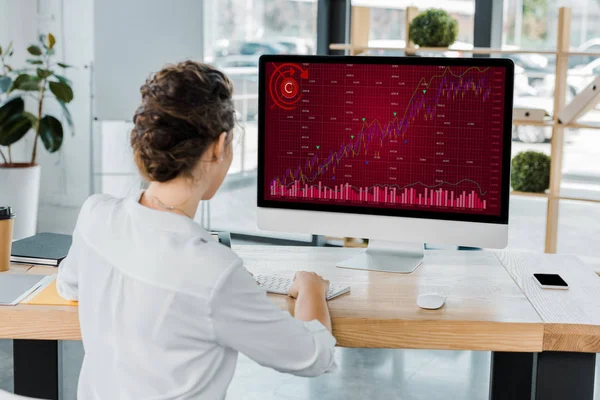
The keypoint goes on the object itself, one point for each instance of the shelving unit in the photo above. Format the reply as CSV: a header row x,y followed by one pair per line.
x,y
359,40
476,50
550,196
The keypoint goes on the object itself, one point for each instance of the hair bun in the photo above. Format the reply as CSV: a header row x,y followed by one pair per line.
x,y
185,107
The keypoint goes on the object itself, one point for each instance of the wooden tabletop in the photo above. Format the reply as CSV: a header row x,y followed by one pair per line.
x,y
571,317
38,322
485,308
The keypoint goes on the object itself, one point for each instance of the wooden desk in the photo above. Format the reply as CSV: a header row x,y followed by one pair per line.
x,y
566,367
490,306
485,309
571,317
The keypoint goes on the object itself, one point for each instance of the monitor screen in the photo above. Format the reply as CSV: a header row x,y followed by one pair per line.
x,y
415,137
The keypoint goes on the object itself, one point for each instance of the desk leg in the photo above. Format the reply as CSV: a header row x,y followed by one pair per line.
x,y
36,368
563,375
548,375
511,376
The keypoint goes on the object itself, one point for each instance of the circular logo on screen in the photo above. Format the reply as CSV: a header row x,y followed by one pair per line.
x,y
284,85
289,88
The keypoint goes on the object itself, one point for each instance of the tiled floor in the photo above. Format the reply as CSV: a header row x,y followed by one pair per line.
x,y
374,374
6,365
362,374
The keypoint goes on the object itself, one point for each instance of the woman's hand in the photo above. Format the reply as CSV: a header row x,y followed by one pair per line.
x,y
310,292
308,283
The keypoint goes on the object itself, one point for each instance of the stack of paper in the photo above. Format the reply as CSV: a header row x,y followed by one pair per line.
x,y
49,296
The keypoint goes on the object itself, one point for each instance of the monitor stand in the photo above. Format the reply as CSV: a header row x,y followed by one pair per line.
x,y
385,256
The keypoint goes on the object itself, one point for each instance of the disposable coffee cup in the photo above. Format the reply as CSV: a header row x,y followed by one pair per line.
x,y
7,219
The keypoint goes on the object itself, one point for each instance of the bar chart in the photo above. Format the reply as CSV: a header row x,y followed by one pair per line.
x,y
382,195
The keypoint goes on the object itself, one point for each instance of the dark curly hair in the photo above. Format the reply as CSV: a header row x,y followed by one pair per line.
x,y
185,107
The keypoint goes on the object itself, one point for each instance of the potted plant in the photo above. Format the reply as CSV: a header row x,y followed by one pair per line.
x,y
433,28
530,172
37,83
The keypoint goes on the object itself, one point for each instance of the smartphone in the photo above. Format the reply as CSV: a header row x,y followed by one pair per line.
x,y
550,281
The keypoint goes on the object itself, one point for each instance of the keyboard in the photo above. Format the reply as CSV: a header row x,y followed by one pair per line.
x,y
281,285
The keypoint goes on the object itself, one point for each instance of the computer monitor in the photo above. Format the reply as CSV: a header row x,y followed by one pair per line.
x,y
400,150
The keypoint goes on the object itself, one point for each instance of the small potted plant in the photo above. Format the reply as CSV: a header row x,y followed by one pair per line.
x,y
38,82
530,172
433,28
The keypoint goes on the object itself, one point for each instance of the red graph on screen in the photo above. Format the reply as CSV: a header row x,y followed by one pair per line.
x,y
387,136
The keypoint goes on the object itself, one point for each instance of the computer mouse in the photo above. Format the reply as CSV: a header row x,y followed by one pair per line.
x,y
431,301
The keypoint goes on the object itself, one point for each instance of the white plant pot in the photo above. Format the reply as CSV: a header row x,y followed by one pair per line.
x,y
20,189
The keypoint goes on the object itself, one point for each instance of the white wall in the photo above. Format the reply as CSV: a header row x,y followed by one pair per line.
x,y
134,38
66,174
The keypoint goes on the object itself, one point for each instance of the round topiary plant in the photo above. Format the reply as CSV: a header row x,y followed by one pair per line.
x,y
433,28
530,172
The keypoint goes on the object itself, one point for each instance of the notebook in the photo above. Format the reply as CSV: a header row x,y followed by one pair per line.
x,y
16,287
49,296
42,249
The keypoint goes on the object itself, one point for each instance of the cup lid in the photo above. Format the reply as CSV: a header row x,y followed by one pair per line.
x,y
6,213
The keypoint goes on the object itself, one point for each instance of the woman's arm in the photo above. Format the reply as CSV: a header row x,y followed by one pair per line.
x,y
246,320
310,292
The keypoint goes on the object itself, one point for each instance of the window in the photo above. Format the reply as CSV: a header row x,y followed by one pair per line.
x,y
576,234
533,24
388,23
236,33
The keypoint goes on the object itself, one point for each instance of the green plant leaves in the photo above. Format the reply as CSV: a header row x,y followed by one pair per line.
x,y
43,73
14,122
34,50
9,49
62,79
51,133
26,82
31,117
5,83
62,91
14,129
67,115
530,172
10,108
433,28
51,41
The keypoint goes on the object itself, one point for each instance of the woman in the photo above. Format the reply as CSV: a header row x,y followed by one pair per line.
x,y
164,309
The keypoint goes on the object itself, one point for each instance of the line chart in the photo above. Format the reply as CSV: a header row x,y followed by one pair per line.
x,y
374,130
406,136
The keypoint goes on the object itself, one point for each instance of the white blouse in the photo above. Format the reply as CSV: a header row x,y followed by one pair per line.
x,y
164,309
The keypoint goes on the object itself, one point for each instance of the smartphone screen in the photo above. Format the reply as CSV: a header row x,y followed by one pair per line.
x,y
550,280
